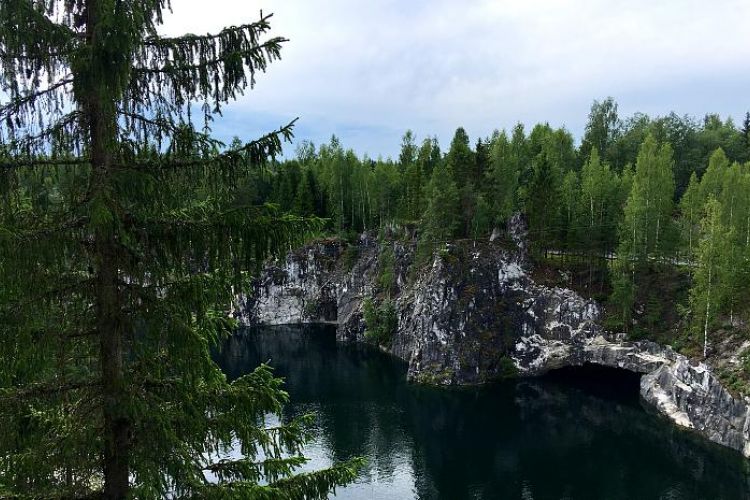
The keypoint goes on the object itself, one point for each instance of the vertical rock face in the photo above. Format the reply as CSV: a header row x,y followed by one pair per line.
x,y
474,315
692,396
298,290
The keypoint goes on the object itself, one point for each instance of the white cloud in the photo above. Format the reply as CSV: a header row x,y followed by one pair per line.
x,y
432,65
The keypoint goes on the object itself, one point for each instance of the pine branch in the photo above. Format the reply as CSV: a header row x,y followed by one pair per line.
x,y
56,494
41,232
253,56
11,307
253,153
213,67
260,26
16,105
146,129
158,122
41,162
5,55
63,135
29,34
232,218
33,391
65,334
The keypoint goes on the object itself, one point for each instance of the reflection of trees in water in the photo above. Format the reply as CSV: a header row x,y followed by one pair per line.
x,y
353,389
548,438
552,440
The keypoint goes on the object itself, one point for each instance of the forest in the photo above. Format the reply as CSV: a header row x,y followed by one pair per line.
x,y
639,200
127,230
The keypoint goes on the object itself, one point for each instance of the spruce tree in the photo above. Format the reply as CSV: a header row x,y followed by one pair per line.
x,y
543,199
442,217
123,242
460,158
502,179
462,165
305,200
481,161
411,168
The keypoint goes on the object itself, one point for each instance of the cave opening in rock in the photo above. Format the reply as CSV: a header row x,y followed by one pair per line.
x,y
602,381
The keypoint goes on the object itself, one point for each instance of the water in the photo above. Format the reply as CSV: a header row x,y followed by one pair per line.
x,y
570,435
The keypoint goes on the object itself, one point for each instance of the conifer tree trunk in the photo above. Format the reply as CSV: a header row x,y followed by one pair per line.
x,y
101,119
116,424
94,257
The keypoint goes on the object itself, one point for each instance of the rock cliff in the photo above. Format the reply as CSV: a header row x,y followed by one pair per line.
x,y
472,314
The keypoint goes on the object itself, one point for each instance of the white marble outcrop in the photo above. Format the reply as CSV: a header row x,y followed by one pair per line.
x,y
475,313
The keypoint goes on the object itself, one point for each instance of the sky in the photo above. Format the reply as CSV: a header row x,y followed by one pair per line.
x,y
367,71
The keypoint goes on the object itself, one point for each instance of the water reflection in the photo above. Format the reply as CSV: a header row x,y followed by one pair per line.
x,y
568,436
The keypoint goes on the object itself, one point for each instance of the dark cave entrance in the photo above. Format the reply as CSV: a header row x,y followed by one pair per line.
x,y
598,380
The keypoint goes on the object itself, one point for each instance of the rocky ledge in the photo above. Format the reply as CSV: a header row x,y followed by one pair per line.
x,y
473,315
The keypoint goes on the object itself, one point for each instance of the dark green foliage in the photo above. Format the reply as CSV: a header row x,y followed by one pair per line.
x,y
381,321
386,278
507,368
125,232
442,218
602,129
481,161
408,153
542,199
306,199
413,196
481,222
414,164
350,256
460,159
502,179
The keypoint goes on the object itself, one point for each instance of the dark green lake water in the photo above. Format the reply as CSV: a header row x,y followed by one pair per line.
x,y
574,434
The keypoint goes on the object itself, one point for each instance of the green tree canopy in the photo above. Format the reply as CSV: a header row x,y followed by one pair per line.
x,y
602,128
460,158
503,179
123,241
442,217
649,207
713,271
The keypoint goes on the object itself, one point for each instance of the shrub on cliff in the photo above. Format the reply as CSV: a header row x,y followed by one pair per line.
x,y
381,322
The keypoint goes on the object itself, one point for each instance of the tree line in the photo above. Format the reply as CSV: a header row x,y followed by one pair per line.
x,y
636,194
